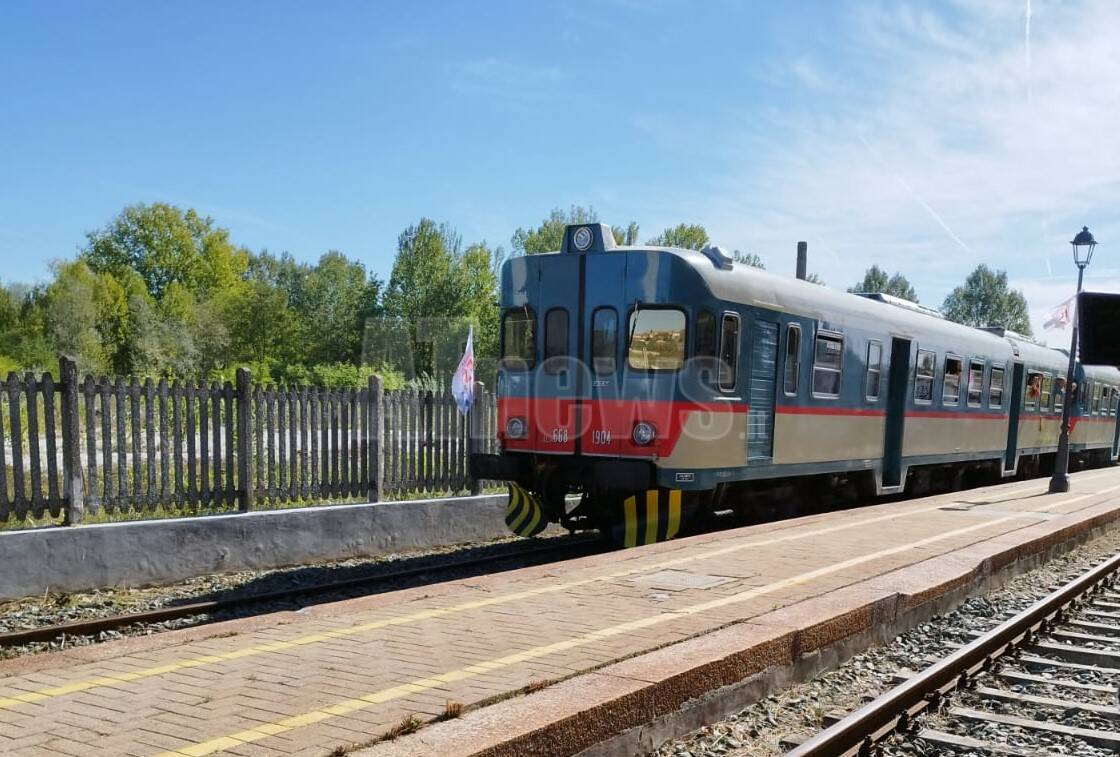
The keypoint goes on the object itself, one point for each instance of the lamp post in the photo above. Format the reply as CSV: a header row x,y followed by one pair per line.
x,y
1083,245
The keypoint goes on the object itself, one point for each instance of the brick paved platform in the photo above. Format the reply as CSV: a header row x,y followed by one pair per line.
x,y
603,643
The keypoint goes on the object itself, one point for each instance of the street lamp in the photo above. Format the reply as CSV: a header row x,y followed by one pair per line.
x,y
1083,245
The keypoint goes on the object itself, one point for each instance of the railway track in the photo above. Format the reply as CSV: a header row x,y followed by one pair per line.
x,y
555,549
1051,671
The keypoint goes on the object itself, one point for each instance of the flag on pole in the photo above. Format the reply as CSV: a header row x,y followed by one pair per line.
x,y
1063,315
462,384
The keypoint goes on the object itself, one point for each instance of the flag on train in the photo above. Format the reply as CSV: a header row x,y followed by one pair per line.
x,y
462,384
1063,315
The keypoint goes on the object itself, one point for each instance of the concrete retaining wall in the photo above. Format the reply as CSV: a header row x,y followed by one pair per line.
x,y
140,553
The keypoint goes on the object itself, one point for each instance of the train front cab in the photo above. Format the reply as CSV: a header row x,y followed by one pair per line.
x,y
597,398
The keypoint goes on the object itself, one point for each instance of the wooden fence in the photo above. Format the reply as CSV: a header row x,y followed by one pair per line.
x,y
73,447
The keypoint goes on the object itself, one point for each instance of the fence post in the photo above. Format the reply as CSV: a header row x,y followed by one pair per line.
x,y
244,395
373,438
475,424
72,490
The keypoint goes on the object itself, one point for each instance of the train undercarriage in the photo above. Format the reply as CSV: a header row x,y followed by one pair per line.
x,y
620,498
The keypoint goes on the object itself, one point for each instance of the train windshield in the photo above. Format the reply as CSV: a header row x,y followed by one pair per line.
x,y
656,339
519,346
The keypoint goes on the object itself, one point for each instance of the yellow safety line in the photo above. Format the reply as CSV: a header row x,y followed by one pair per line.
x,y
423,684
652,496
630,516
112,679
674,514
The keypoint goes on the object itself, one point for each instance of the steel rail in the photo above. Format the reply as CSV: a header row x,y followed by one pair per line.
x,y
894,707
205,607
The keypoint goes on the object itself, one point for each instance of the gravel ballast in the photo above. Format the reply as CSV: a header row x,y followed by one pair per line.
x,y
768,726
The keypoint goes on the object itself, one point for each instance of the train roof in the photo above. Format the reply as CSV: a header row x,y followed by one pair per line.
x,y
753,286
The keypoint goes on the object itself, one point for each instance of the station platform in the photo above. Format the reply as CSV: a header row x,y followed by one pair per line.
x,y
547,660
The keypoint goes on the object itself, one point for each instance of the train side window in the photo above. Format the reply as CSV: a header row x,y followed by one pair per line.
x,y
1059,393
874,370
705,347
555,340
1096,399
728,352
1083,397
995,388
1034,390
1115,400
951,386
975,382
923,377
519,346
1044,393
828,360
656,339
604,340
793,359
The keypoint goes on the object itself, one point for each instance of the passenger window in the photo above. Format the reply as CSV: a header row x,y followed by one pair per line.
x,y
975,382
1096,399
555,339
728,352
995,388
793,359
519,347
1115,400
828,359
1034,390
656,339
604,340
1044,399
874,369
1059,393
951,386
1083,395
923,377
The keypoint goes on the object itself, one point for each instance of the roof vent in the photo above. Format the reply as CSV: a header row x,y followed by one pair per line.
x,y
899,302
719,257
1009,334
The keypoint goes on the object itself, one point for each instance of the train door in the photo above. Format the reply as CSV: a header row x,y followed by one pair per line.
x,y
898,385
1015,409
602,341
553,428
763,377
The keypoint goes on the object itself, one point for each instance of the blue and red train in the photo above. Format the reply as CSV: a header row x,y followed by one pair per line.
x,y
661,383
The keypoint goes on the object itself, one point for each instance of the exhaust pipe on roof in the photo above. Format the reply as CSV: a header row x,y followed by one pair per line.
x,y
802,260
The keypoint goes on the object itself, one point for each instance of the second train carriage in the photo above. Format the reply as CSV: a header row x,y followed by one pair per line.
x,y
656,382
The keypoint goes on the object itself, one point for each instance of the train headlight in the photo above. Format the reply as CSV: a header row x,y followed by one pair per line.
x,y
515,428
643,433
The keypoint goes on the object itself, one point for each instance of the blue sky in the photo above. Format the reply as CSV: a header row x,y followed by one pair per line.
x,y
924,137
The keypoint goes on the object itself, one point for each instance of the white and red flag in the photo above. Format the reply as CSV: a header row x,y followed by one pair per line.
x,y
462,383
1063,315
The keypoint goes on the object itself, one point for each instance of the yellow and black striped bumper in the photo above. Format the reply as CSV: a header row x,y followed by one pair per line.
x,y
649,517
524,513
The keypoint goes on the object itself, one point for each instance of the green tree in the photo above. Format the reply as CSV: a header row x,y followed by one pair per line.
x,y
333,303
549,235
749,259
813,278
985,299
875,280
435,285
686,236
164,244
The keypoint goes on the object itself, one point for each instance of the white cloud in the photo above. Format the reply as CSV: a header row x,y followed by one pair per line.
x,y
943,151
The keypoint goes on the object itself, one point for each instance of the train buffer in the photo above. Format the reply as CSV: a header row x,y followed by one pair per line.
x,y
549,659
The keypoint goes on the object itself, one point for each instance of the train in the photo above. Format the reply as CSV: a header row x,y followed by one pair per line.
x,y
642,388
